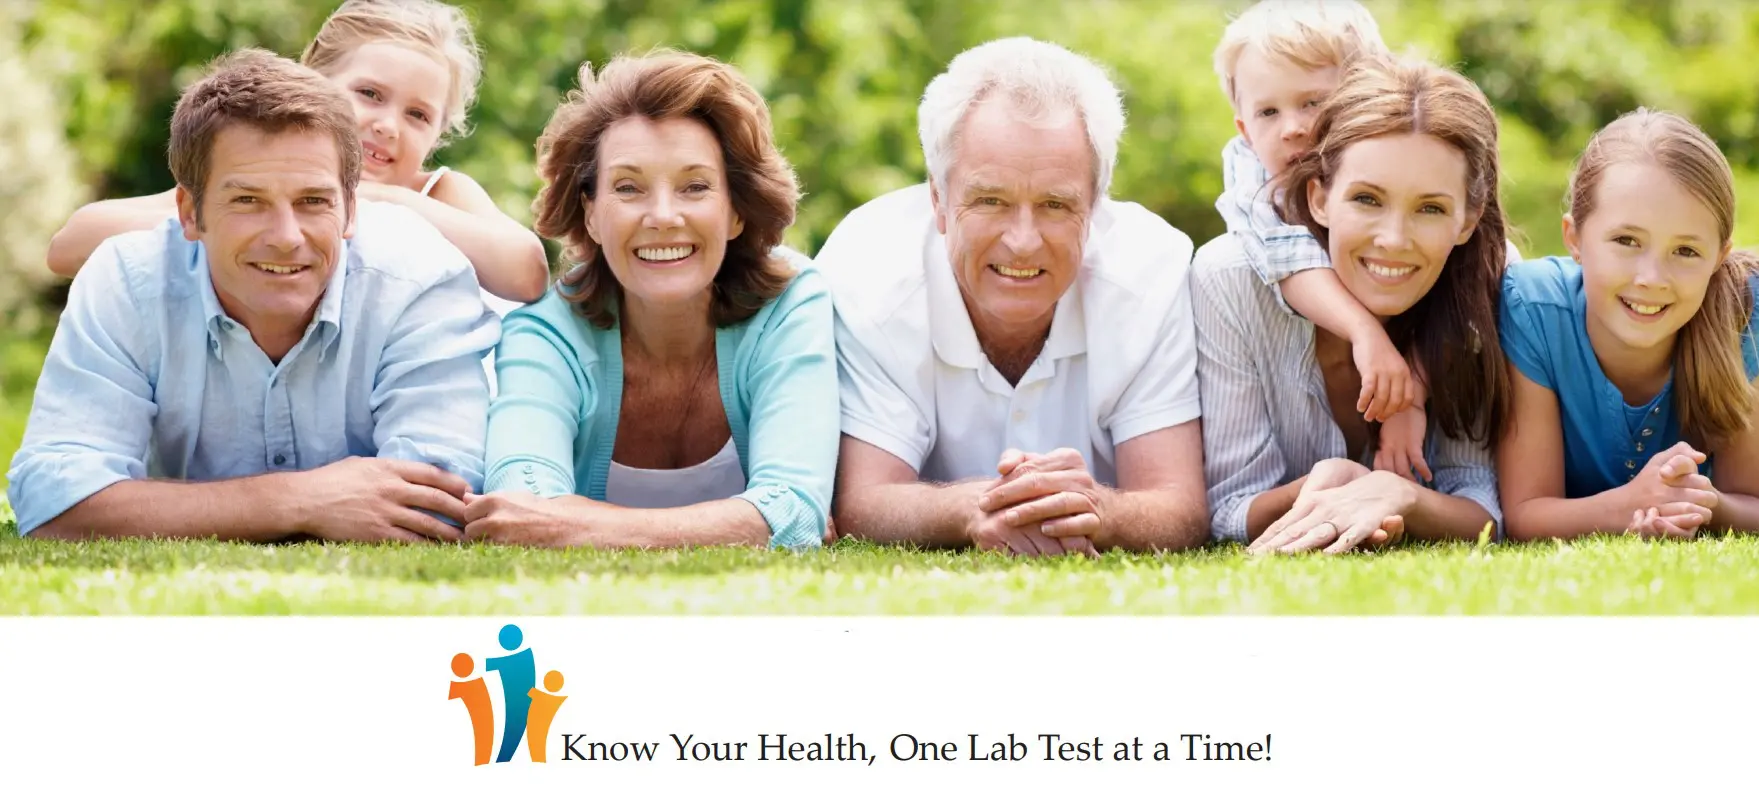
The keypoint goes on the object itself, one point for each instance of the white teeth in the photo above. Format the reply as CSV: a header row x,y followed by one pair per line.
x,y
377,157
1389,272
669,254
1016,272
1646,310
277,269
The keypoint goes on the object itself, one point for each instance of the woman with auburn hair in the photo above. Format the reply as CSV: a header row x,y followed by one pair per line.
x,y
1633,365
1401,189
679,385
410,69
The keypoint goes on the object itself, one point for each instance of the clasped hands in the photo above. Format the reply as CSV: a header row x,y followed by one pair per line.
x,y
1670,498
1040,505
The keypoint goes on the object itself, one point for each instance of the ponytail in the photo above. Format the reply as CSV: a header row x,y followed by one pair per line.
x,y
1715,396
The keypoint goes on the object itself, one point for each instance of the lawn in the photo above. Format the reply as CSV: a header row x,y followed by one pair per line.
x,y
1599,576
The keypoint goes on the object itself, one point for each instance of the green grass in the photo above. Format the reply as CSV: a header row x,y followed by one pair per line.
x,y
1597,576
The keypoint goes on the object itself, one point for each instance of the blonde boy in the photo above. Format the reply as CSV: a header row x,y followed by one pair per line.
x,y
1278,62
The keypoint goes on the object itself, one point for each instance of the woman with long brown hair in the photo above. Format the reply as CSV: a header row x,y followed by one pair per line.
x,y
1401,189
1633,361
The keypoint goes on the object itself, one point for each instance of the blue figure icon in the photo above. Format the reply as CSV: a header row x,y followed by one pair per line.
x,y
518,677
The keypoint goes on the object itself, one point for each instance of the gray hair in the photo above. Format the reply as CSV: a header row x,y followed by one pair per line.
x,y
1041,79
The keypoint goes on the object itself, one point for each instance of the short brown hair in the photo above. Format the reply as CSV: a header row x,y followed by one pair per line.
x,y
1452,332
1716,399
434,28
265,91
660,86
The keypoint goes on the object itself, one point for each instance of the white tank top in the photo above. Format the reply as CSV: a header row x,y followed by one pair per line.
x,y
719,477
499,306
434,179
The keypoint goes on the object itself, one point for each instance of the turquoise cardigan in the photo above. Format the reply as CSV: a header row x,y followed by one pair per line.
x,y
554,421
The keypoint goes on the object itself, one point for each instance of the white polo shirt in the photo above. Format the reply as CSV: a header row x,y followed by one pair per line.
x,y
1120,360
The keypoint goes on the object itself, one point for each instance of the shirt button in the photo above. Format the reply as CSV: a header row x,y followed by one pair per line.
x,y
1656,410
213,343
1647,431
528,470
1630,464
1639,446
1019,415
280,459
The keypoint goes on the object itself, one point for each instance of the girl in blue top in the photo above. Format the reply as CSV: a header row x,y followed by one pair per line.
x,y
679,387
1633,364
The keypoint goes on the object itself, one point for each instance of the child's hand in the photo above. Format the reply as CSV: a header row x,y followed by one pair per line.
x,y
1650,524
1388,386
1401,445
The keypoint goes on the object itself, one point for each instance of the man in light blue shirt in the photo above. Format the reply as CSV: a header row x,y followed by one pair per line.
x,y
275,373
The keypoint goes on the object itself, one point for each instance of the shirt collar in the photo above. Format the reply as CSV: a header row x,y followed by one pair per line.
x,y
328,320
955,339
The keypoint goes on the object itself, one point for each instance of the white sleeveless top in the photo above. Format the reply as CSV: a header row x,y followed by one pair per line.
x,y
500,306
719,477
434,179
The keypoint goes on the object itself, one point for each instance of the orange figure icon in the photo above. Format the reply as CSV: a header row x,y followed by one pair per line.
x,y
475,695
543,710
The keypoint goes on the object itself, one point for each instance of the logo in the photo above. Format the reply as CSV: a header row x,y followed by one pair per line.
x,y
528,709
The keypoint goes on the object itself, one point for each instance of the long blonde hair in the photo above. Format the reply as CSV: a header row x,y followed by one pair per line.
x,y
1716,399
440,30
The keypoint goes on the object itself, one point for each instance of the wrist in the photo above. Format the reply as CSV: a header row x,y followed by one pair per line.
x,y
1404,494
278,498
1108,504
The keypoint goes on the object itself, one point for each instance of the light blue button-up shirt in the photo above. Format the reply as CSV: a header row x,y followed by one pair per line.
x,y
148,377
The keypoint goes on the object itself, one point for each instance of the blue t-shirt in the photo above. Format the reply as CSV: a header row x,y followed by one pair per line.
x,y
1544,326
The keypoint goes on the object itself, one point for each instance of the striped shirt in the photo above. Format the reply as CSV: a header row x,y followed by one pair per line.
x,y
1266,419
1275,249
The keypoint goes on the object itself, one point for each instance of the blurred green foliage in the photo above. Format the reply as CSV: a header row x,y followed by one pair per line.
x,y
843,79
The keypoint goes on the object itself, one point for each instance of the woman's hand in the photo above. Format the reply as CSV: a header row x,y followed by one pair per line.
x,y
519,518
1331,473
1341,518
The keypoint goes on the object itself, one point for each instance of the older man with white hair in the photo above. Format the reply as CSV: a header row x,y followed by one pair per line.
x,y
1015,348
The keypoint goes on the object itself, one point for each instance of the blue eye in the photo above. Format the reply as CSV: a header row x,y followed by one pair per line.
x,y
1365,199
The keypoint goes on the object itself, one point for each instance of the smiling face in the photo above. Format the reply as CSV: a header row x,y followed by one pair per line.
x,y
1647,252
399,99
1276,103
1015,214
661,211
272,220
1395,209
